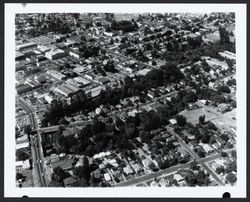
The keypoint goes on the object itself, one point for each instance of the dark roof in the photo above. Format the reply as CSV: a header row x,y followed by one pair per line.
x,y
69,181
66,164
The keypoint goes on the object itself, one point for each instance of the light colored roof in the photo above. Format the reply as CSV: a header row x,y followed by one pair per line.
x,y
178,177
107,177
22,145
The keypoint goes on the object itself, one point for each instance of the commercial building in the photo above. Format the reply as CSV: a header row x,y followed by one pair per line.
x,y
56,74
228,55
67,89
26,46
82,80
19,56
23,89
95,91
56,54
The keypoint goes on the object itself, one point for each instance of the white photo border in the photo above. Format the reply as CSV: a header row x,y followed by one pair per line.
x,y
10,189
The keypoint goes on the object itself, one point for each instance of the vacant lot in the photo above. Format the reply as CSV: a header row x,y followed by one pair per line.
x,y
193,115
215,36
226,120
223,121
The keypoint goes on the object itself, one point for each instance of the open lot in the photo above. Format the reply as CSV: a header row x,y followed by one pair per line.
x,y
223,121
193,115
215,36
227,120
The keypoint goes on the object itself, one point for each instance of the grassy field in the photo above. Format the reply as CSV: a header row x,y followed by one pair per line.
x,y
193,115
226,121
215,36
223,121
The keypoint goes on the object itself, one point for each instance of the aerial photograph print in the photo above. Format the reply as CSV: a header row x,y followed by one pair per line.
x,y
125,99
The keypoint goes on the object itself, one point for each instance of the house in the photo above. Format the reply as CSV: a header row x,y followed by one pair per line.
x,y
172,121
182,152
133,113
203,102
107,177
154,183
170,139
22,139
151,94
137,167
180,180
70,182
207,148
96,173
220,141
23,145
127,170
146,163
65,164
214,165
157,161
22,165
52,158
216,146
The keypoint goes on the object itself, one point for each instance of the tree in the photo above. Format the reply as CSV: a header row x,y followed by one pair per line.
x,y
21,155
181,120
231,82
194,165
84,170
19,176
231,178
205,138
60,174
224,89
224,154
202,119
220,170
201,154
234,154
98,126
224,35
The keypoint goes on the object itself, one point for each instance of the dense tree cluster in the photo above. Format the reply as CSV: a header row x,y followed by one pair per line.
x,y
137,87
124,25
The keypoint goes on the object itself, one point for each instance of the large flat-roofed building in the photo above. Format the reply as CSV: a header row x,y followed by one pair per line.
x,y
67,89
56,74
23,89
33,83
56,54
44,48
228,55
24,46
94,92
82,80
19,56
42,40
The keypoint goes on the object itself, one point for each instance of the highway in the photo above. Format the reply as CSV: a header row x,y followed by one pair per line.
x,y
35,143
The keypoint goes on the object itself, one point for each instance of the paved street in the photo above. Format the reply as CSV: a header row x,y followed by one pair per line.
x,y
36,147
151,176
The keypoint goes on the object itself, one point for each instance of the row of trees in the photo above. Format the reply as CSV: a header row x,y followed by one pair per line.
x,y
81,102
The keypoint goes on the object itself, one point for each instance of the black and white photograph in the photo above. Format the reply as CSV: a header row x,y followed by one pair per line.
x,y
138,98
